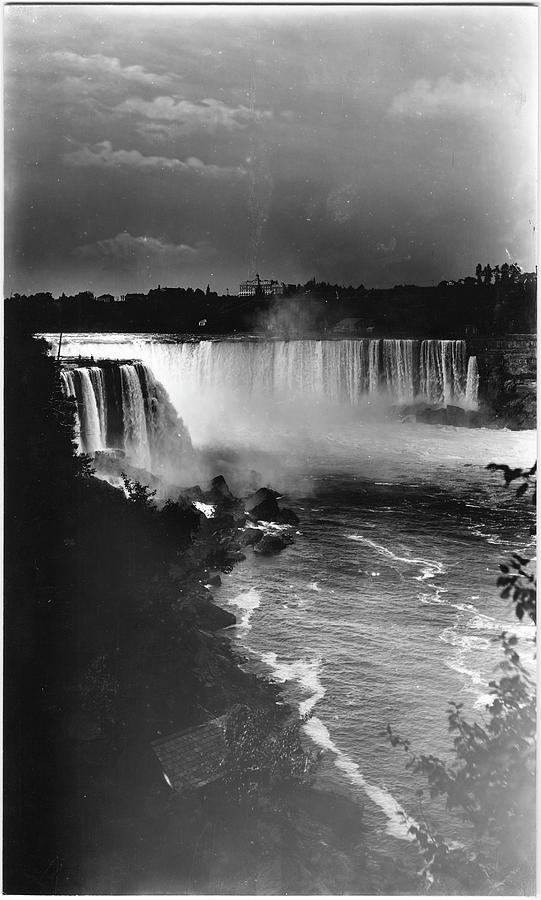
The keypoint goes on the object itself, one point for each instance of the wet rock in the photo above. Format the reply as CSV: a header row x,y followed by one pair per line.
x,y
288,517
233,556
271,544
192,493
251,536
220,489
212,617
432,415
262,505
455,415
214,579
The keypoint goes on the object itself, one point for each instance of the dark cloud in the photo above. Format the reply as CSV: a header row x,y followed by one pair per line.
x,y
359,144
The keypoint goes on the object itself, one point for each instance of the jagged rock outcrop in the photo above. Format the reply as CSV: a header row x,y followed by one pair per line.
x,y
271,544
262,506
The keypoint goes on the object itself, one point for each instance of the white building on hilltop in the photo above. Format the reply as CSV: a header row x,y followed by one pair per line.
x,y
257,287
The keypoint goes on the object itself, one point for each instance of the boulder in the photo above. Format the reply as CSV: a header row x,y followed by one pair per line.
x,y
432,415
455,415
233,556
212,617
270,544
251,536
220,489
192,493
214,579
262,505
288,517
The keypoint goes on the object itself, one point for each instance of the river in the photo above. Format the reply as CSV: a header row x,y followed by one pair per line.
x,y
385,607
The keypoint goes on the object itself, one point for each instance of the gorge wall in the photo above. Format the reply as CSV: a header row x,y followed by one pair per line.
x,y
507,377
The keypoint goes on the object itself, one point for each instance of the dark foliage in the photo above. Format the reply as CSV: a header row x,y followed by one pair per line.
x,y
267,753
500,300
108,637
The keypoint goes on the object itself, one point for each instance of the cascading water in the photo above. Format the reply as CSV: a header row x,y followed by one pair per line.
x,y
121,405
443,368
98,386
433,370
134,417
89,418
215,383
472,384
68,388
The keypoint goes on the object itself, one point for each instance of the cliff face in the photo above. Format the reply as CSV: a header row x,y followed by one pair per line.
x,y
507,377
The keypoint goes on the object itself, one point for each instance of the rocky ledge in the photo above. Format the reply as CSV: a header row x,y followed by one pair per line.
x,y
516,411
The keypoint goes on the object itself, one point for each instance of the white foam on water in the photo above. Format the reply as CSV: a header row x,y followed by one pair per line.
x,y
398,823
430,568
274,527
314,586
208,509
306,673
248,601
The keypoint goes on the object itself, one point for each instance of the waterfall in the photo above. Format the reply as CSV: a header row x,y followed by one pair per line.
x,y
89,417
442,374
472,384
68,389
98,386
134,417
122,406
213,383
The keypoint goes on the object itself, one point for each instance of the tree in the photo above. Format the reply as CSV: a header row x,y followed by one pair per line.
x,y
490,777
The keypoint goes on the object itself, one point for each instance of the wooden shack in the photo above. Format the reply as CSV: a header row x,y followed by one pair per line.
x,y
195,757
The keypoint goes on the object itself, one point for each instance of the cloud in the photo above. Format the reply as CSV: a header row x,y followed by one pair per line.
x,y
125,248
188,116
443,96
99,65
102,155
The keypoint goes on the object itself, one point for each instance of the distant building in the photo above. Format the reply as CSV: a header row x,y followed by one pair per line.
x,y
105,298
258,287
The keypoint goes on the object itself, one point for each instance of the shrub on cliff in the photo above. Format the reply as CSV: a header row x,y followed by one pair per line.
x,y
266,753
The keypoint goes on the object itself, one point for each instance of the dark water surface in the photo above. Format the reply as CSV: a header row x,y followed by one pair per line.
x,y
385,607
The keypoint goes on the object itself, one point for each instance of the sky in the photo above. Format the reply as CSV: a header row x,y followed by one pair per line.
x,y
186,146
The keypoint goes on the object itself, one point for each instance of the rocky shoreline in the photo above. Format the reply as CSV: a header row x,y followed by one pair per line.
x,y
300,838
516,411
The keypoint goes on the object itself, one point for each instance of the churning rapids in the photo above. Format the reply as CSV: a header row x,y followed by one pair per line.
x,y
385,606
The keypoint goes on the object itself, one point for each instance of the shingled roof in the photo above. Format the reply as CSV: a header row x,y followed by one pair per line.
x,y
194,757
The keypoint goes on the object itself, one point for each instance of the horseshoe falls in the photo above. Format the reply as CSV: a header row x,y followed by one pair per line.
x,y
214,382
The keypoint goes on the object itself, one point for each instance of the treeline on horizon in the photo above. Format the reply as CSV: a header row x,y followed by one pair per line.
x,y
497,300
